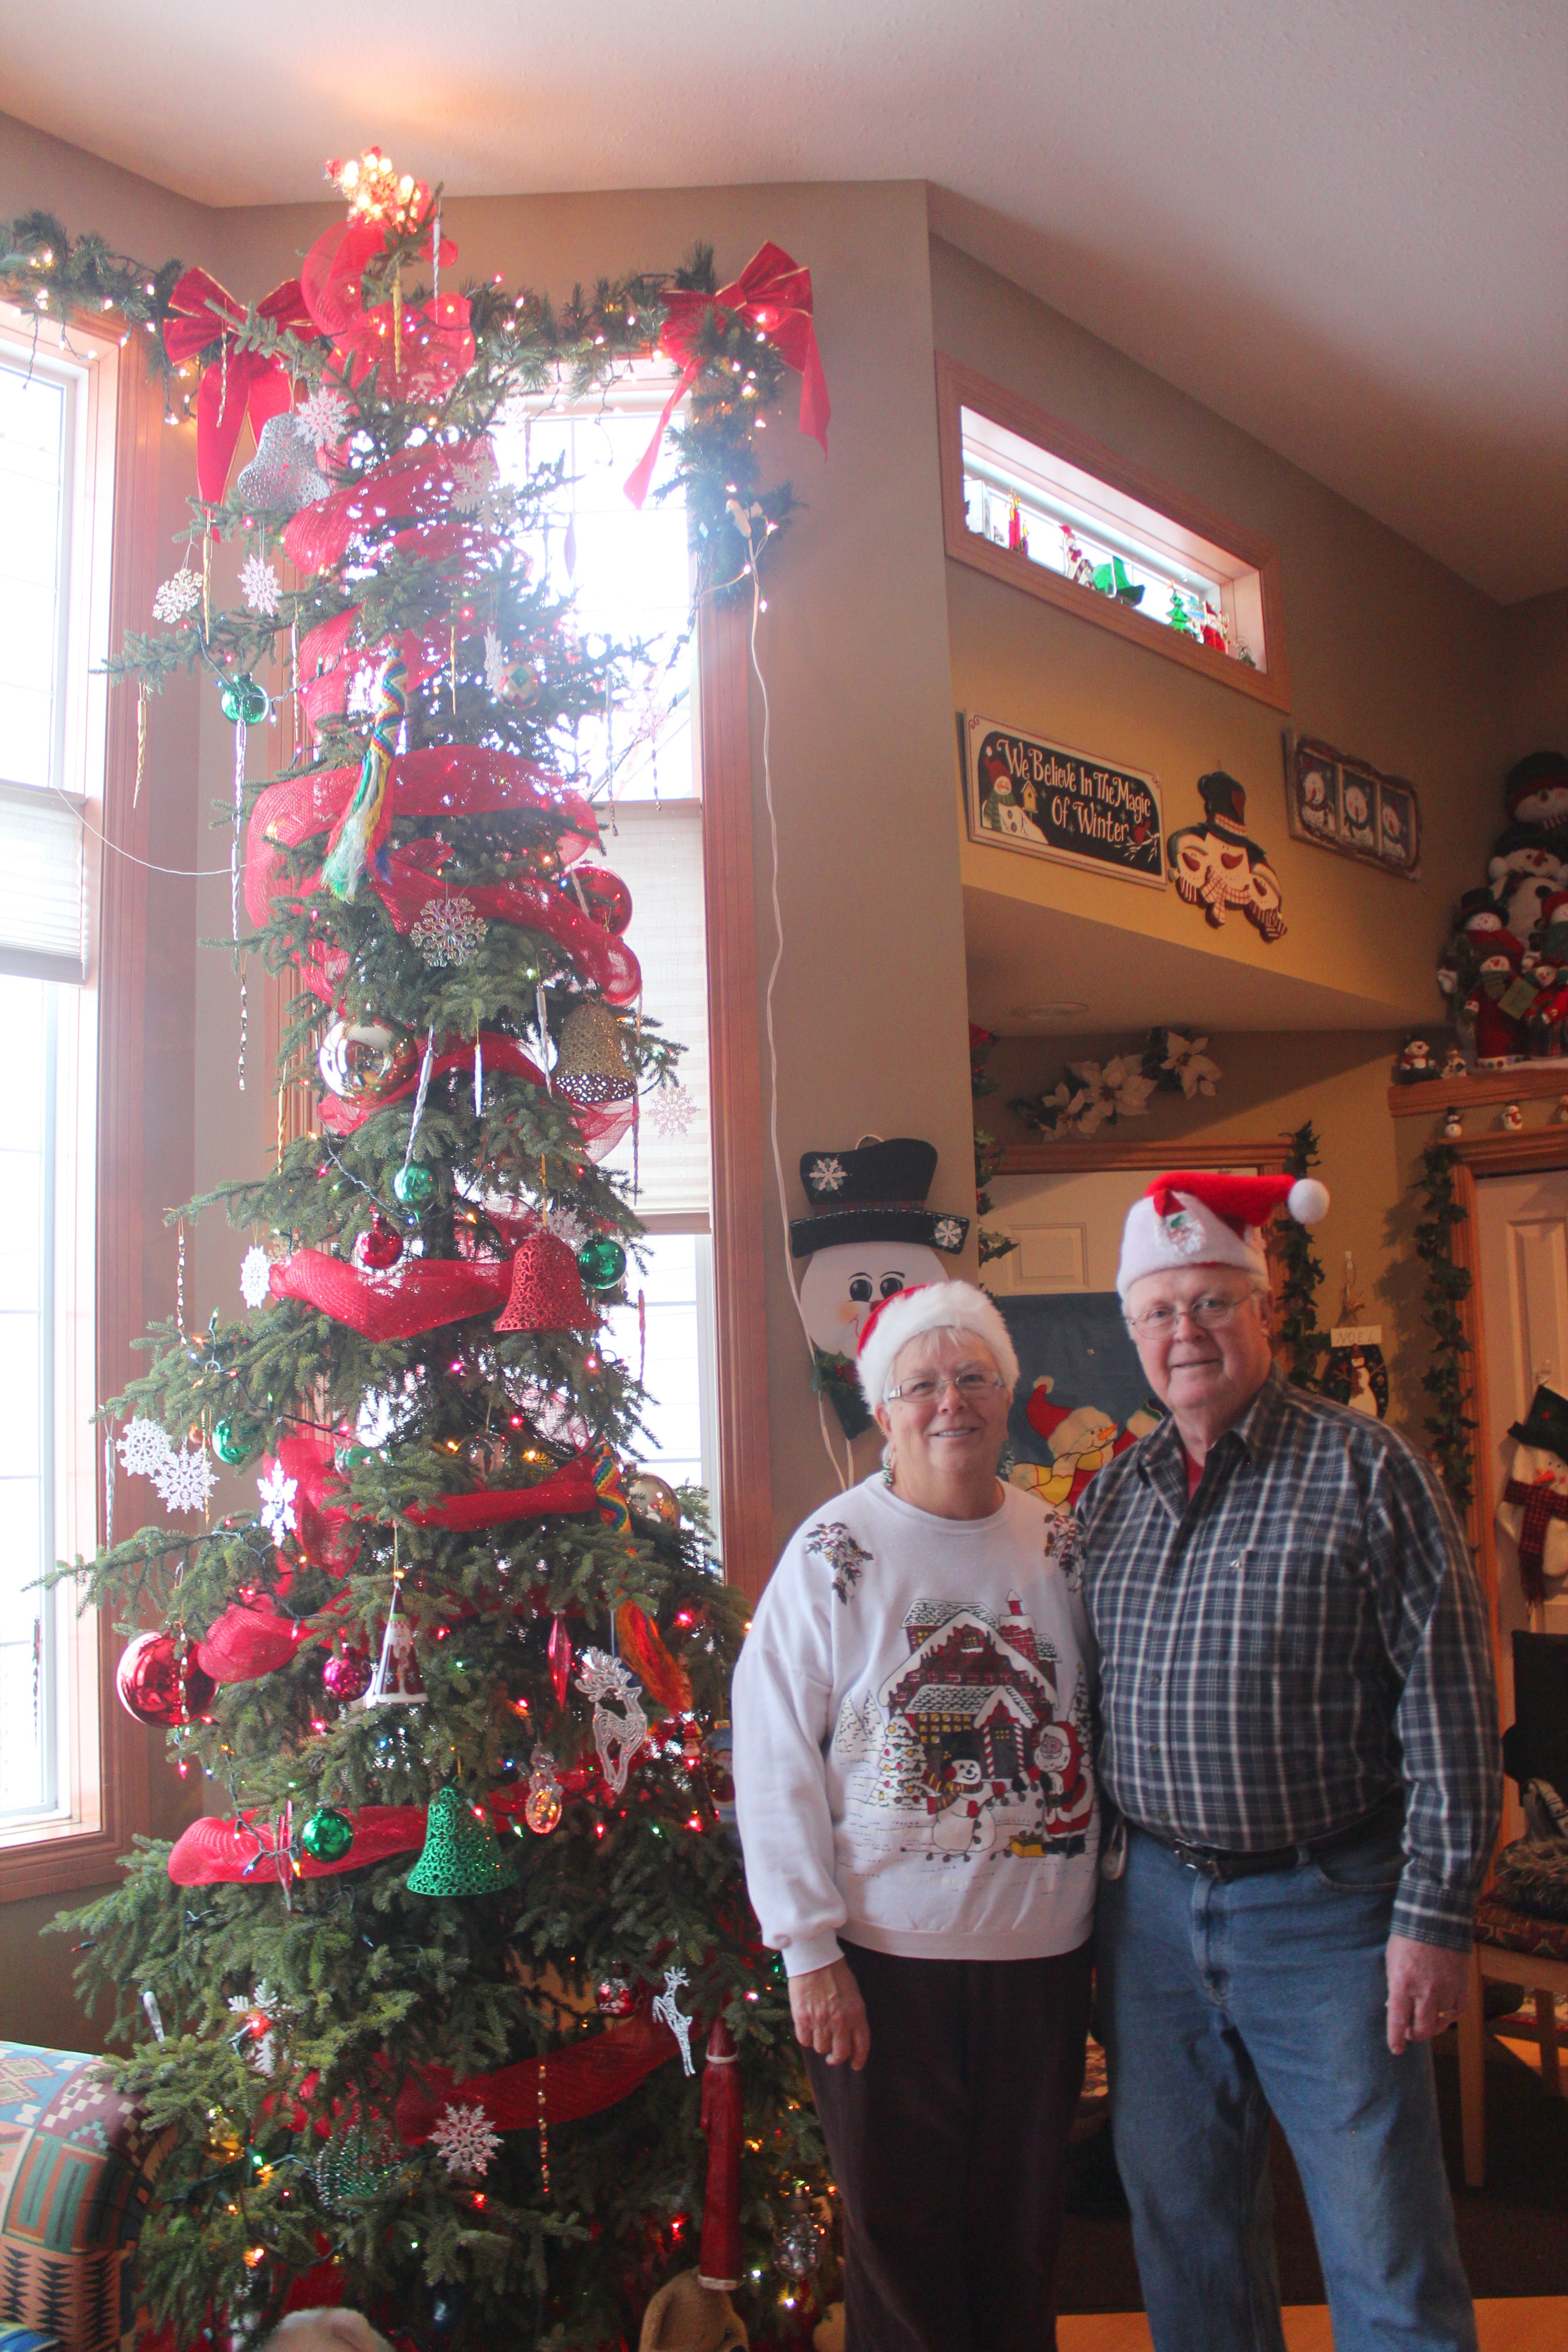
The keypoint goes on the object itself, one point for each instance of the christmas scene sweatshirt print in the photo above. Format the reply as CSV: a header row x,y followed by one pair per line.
x,y
912,1736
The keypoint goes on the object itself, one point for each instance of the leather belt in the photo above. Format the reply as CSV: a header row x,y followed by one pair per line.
x,y
1221,1862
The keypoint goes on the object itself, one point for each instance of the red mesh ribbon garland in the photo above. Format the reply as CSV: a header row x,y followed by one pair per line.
x,y
772,296
436,345
566,1490
414,488
583,2080
243,1644
496,1053
418,1294
215,1854
719,2260
322,1529
237,384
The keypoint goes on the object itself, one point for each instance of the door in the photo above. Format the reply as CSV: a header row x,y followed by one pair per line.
x,y
1523,1233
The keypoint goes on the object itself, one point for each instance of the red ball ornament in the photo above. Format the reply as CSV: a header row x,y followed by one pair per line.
x,y
614,1997
379,1248
156,1686
347,1675
603,894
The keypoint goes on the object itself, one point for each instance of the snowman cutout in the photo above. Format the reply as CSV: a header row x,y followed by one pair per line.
x,y
870,1236
966,1825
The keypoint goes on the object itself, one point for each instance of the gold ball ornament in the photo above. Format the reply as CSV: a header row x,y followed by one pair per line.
x,y
650,1498
365,1061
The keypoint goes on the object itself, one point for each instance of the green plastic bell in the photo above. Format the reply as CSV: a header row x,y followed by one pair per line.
x,y
460,1856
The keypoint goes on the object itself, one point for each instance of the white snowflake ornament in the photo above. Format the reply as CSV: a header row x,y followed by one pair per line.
x,y
476,486
448,930
184,1480
178,596
321,416
144,1446
277,1491
256,1276
260,2018
466,2138
258,585
496,667
672,1111
566,1226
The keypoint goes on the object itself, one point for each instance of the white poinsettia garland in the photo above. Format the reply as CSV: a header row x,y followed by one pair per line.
x,y
1093,1095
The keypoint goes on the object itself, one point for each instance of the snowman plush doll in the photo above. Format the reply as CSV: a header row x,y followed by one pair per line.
x,y
1537,792
870,1236
1492,1004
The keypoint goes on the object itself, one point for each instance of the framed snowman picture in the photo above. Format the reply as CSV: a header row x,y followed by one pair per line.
x,y
1043,799
1343,803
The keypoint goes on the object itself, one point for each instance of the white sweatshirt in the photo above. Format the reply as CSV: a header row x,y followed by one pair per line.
x,y
912,1736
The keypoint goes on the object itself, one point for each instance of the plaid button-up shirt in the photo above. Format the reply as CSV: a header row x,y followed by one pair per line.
x,y
1282,1652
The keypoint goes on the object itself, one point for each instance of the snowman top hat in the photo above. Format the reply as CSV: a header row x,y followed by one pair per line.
x,y
1198,1217
1545,1426
874,1194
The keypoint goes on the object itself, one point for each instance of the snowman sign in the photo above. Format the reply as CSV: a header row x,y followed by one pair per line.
x,y
1533,1509
870,1236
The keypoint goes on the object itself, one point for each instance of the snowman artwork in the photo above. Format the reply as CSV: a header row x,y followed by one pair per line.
x,y
1533,1509
966,1824
1214,865
870,1236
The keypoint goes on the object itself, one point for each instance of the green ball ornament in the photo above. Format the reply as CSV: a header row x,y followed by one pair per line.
x,y
242,699
328,1834
233,1442
412,1187
601,1262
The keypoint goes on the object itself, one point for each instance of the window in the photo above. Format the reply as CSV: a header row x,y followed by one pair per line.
x,y
630,574
1032,501
57,425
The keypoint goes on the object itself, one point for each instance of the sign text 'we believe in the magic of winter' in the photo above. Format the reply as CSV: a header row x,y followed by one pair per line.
x,y
1048,800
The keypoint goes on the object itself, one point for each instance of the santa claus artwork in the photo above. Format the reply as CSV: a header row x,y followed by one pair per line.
x,y
1532,1507
870,1236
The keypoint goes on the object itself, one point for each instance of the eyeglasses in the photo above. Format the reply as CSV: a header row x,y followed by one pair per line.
x,y
969,1386
1204,1314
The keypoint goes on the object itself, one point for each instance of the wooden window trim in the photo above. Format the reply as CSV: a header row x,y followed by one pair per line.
x,y
63,1860
959,387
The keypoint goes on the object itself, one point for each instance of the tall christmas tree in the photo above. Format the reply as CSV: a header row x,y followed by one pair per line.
x,y
418,2000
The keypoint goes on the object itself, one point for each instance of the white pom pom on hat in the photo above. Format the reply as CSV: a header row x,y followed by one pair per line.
x,y
1200,1217
930,1307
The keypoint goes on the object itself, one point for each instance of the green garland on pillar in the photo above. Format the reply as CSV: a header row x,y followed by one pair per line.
x,y
1299,1334
988,1150
1448,1285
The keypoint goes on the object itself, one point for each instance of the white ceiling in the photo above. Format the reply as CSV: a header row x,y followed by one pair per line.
x,y
1342,224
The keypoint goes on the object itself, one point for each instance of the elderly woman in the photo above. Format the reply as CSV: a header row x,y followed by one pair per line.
x,y
911,1715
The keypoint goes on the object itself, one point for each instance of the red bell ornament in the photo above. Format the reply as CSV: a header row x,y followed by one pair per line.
x,y
159,1684
547,1293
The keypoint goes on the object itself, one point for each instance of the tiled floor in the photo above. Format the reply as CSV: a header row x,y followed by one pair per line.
x,y
1528,2325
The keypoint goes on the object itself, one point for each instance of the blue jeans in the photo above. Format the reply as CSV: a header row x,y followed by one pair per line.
x,y
1220,2000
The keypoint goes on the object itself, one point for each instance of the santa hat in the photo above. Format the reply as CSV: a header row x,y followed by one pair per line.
x,y
930,1307
1203,1219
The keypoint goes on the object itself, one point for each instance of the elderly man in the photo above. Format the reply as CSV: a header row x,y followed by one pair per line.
x,y
1298,1732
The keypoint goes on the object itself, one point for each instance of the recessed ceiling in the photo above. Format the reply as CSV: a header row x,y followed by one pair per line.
x,y
1342,225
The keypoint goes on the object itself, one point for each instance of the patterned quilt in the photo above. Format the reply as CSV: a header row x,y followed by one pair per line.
x,y
77,2170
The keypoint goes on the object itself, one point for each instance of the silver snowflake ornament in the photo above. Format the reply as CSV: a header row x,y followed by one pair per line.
x,y
448,930
672,1111
567,1226
321,416
277,1491
178,596
256,1276
184,1480
827,1174
949,1233
144,1446
258,585
466,2138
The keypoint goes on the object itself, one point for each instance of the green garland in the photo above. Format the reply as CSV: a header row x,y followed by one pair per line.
x,y
1300,1333
993,1244
1447,1285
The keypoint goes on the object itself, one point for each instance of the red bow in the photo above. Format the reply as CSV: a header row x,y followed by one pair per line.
x,y
772,296
237,384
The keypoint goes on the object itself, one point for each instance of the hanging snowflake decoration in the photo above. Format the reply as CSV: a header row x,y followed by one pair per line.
x,y
277,1491
260,2019
256,1276
672,1111
466,2138
321,416
448,930
144,1447
477,489
178,596
497,668
184,1480
567,1226
258,585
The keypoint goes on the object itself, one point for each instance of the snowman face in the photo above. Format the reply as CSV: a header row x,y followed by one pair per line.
x,y
1495,963
966,1776
1486,921
1547,805
1263,894
1357,807
1392,833
841,1287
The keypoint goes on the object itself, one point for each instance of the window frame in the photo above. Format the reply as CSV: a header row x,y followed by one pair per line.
x,y
107,1754
959,387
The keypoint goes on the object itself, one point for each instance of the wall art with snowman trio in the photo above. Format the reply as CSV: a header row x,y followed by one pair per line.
x,y
1339,801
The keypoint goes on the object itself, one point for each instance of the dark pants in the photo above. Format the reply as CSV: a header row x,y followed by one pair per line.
x,y
948,2149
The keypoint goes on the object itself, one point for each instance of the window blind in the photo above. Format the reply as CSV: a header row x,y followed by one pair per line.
x,y
658,850
40,884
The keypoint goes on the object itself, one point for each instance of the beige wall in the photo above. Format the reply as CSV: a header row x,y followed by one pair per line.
x,y
1390,656
1535,677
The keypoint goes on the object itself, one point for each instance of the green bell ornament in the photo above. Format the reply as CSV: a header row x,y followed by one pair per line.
x,y
460,1856
412,1186
242,699
233,1442
601,1262
328,1834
